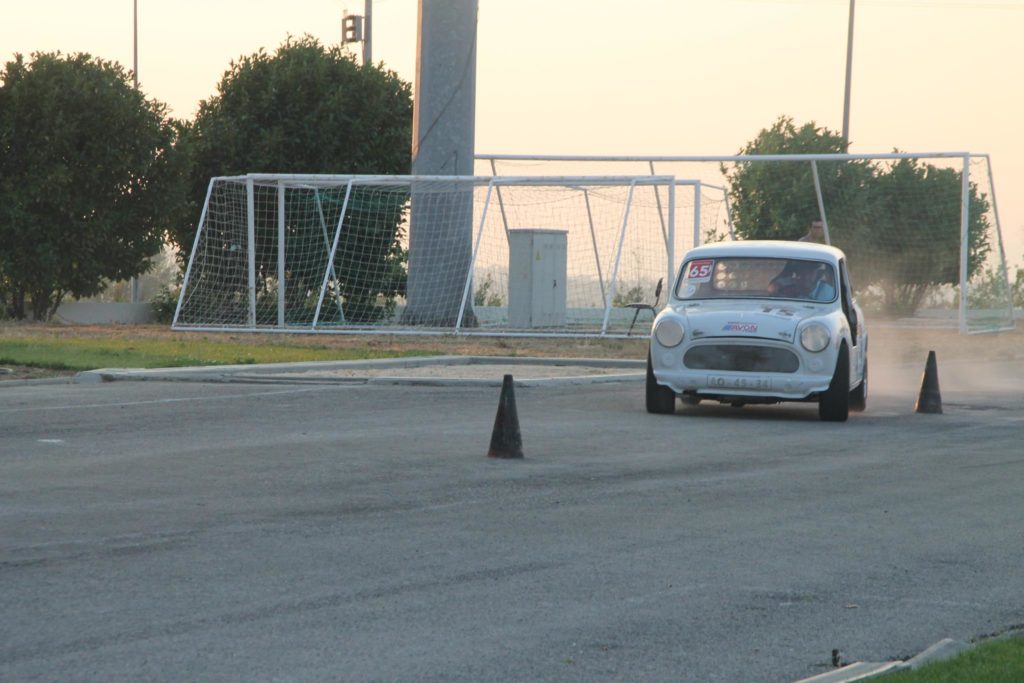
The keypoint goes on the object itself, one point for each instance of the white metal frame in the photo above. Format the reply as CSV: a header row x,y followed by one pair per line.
x,y
493,184
813,159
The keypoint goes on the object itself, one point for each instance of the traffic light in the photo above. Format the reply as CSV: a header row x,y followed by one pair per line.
x,y
351,29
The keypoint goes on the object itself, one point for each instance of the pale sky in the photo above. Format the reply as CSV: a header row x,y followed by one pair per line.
x,y
660,77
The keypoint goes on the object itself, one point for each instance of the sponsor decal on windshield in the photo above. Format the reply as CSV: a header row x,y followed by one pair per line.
x,y
740,327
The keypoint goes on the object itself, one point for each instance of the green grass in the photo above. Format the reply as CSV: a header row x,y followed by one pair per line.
x,y
90,354
994,661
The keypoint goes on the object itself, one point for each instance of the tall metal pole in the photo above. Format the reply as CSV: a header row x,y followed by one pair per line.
x,y
443,117
367,32
133,283
849,77
135,42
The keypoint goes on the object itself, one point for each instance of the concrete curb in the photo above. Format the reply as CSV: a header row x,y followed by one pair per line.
x,y
276,372
70,379
534,382
857,671
947,648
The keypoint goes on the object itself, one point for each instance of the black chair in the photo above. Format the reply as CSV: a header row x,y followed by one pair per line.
x,y
645,307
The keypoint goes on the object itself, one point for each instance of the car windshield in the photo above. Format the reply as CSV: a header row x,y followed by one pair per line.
x,y
757,278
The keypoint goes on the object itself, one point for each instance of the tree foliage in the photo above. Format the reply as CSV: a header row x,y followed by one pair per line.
x,y
898,222
776,201
310,109
87,175
910,243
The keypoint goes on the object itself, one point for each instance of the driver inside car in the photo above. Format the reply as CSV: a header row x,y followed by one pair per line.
x,y
804,280
825,286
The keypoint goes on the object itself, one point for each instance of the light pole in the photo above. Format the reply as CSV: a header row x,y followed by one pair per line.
x,y
135,42
849,77
133,283
355,29
367,32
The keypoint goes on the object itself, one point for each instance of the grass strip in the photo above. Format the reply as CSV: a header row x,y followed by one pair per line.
x,y
90,354
993,661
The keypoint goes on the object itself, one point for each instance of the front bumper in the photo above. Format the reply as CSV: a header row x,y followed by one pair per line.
x,y
812,376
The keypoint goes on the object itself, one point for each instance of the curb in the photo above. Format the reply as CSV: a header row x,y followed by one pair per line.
x,y
536,382
857,671
70,379
273,372
947,648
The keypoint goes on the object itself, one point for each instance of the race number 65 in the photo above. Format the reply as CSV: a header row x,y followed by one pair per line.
x,y
700,270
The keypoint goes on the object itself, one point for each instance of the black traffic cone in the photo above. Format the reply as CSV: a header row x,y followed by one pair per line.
x,y
506,441
930,401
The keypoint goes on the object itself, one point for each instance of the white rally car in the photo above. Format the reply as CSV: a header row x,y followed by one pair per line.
x,y
760,322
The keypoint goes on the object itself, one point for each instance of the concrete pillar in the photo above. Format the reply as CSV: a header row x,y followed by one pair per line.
x,y
444,112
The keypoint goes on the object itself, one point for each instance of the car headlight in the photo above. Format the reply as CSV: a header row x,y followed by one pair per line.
x,y
815,337
669,332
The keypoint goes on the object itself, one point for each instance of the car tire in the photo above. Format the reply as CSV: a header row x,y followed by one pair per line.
x,y
859,396
660,400
834,403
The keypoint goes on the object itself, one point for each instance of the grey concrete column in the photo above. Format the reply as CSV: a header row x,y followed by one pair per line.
x,y
444,112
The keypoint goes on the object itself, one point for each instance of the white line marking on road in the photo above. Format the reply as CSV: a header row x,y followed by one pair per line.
x,y
50,440
186,399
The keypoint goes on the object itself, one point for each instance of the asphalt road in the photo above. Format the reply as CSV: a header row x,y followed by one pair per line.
x,y
166,531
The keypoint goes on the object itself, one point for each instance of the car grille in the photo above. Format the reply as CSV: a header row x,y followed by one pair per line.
x,y
741,358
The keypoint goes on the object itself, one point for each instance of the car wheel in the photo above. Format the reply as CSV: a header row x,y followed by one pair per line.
x,y
660,400
859,396
834,403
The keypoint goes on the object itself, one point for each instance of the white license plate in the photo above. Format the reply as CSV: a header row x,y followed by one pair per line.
x,y
755,383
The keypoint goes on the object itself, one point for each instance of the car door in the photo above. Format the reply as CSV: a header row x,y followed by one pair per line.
x,y
855,318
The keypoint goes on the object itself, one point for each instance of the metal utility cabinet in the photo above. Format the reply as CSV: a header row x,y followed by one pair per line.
x,y
536,277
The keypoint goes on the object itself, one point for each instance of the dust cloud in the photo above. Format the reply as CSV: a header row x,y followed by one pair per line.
x,y
976,363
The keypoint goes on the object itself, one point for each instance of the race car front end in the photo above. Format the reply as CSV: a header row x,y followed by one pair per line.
x,y
753,354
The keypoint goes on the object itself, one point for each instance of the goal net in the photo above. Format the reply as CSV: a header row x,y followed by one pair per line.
x,y
921,231
468,255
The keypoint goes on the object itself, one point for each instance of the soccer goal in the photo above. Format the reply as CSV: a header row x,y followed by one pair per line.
x,y
921,230
537,256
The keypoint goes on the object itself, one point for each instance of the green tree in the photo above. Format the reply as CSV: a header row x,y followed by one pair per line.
x,y
899,223
995,288
911,245
310,109
776,201
87,175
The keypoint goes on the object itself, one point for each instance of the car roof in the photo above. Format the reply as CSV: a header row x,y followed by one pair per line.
x,y
768,249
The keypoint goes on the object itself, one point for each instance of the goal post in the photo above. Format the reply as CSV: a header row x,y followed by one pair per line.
x,y
921,230
532,256
447,255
